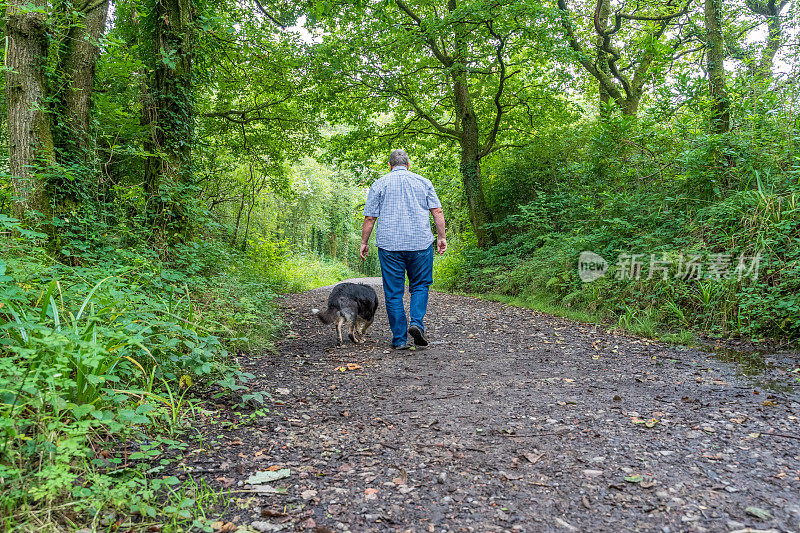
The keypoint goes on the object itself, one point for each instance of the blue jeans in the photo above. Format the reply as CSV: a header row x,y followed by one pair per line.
x,y
394,265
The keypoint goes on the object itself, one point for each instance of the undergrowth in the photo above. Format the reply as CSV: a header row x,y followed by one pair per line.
x,y
748,208
107,353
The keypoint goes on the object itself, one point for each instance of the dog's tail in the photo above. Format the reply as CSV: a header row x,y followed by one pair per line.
x,y
324,316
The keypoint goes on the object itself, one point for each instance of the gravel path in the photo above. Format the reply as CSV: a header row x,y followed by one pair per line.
x,y
510,421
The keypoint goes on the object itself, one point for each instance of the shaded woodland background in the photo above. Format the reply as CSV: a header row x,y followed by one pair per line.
x,y
171,165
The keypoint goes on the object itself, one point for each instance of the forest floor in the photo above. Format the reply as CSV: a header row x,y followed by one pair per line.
x,y
510,421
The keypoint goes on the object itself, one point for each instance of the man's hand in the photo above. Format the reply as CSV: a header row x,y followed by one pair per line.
x,y
366,231
438,219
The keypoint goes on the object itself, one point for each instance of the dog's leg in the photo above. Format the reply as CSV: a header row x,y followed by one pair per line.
x,y
339,325
352,331
359,330
367,323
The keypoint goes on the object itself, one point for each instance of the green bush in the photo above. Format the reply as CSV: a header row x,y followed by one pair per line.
x,y
107,351
635,189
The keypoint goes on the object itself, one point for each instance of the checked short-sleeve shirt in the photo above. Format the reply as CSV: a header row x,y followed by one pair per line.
x,y
402,200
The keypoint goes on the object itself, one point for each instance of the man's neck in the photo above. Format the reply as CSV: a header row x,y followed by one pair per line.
x,y
399,167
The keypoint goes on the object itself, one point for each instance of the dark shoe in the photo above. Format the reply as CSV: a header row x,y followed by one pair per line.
x,y
401,346
418,336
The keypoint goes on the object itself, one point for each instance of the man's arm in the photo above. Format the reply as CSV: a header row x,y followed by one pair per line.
x,y
366,231
438,220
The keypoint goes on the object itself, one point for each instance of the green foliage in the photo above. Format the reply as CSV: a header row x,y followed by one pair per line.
x,y
631,201
200,193
110,349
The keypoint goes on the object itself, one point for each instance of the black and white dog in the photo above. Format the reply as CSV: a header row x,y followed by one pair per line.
x,y
351,303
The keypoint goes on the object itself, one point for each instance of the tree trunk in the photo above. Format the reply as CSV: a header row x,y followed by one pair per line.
x,y
247,226
170,112
30,137
469,139
238,221
602,57
79,68
630,106
774,41
715,54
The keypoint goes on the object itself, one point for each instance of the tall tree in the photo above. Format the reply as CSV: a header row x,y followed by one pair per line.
x,y
30,137
170,113
40,133
624,64
79,62
715,58
771,11
452,70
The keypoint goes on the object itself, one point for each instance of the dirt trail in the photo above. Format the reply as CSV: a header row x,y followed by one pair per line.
x,y
510,421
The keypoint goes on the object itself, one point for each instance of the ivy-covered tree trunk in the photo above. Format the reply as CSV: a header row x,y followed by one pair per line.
x,y
469,138
30,137
603,11
479,214
79,70
170,113
715,55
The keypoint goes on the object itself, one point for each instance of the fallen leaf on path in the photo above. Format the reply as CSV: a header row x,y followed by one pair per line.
x,y
636,478
268,476
758,512
268,489
532,457
348,366
401,479
510,477
768,403
226,481
563,524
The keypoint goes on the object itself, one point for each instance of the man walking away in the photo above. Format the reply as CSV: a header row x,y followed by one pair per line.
x,y
402,200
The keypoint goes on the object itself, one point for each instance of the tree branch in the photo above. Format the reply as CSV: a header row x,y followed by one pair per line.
x,y
270,17
449,132
443,58
498,94
609,86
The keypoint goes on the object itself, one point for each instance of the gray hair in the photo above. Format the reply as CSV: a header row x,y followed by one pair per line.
x,y
399,157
